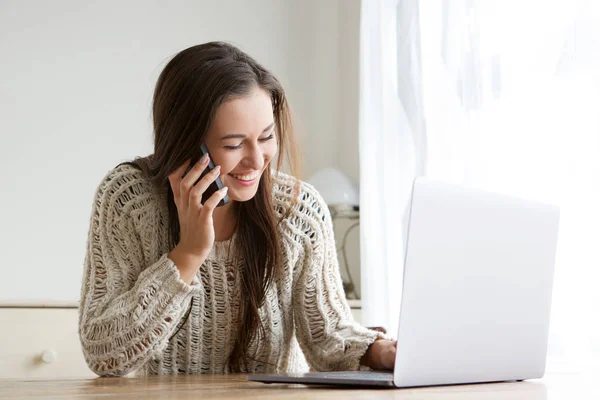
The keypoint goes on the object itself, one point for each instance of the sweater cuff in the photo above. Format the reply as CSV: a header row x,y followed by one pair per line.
x,y
167,275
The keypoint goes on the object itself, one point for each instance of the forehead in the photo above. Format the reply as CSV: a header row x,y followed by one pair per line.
x,y
246,115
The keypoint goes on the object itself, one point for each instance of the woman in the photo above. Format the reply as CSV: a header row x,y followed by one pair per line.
x,y
172,285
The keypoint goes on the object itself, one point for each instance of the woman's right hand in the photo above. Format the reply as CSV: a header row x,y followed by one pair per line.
x,y
196,229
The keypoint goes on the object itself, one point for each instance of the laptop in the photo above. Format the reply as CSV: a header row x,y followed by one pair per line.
x,y
476,292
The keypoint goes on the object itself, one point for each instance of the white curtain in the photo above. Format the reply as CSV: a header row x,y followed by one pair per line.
x,y
388,161
501,95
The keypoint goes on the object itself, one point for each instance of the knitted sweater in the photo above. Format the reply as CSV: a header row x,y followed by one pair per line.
x,y
137,315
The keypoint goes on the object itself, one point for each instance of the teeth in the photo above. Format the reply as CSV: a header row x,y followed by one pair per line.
x,y
248,177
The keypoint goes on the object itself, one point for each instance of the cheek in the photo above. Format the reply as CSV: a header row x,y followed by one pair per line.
x,y
270,152
225,159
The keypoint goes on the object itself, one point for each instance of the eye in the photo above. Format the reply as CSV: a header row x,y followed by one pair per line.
x,y
271,136
239,146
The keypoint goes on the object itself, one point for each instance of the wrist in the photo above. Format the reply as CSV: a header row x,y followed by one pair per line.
x,y
186,262
193,258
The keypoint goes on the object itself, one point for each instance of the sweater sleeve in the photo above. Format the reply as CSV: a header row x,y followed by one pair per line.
x,y
128,310
326,331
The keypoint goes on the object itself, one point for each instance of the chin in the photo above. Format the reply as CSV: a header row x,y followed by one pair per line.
x,y
242,197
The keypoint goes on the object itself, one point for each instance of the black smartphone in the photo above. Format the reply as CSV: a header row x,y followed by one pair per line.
x,y
214,186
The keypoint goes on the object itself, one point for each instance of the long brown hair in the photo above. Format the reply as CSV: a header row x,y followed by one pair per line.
x,y
188,93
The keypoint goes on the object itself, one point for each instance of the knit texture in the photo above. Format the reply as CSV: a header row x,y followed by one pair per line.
x,y
137,315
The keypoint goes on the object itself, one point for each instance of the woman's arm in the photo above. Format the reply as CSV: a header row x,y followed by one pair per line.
x,y
128,310
326,330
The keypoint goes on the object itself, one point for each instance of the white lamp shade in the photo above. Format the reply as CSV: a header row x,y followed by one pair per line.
x,y
335,187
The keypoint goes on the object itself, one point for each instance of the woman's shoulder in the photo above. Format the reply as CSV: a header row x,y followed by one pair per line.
x,y
124,188
303,201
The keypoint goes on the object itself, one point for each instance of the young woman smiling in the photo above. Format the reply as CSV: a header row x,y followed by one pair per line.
x,y
172,285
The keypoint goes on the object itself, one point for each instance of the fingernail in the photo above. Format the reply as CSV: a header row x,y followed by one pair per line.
x,y
217,169
224,189
204,158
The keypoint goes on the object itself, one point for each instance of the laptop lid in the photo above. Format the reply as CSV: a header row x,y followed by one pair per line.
x,y
477,287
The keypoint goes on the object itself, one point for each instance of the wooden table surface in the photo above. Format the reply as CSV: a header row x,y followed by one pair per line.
x,y
236,387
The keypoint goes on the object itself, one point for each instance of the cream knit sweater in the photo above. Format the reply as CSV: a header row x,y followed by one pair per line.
x,y
133,300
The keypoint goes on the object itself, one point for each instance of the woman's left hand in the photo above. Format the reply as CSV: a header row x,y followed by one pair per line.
x,y
381,354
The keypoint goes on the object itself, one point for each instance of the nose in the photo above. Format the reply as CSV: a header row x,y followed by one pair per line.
x,y
254,158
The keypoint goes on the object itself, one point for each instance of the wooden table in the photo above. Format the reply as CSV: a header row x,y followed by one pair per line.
x,y
236,387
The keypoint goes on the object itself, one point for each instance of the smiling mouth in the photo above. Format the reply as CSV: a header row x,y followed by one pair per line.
x,y
246,177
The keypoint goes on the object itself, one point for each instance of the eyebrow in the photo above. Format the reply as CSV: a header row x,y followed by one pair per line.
x,y
241,136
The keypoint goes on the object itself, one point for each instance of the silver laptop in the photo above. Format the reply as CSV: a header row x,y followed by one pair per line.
x,y
476,292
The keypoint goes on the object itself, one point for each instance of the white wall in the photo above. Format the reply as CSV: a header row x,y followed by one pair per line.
x,y
348,47
76,81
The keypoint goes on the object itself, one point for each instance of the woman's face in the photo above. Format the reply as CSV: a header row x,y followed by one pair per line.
x,y
242,141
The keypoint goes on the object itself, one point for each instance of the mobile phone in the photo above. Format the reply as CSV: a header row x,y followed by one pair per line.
x,y
214,186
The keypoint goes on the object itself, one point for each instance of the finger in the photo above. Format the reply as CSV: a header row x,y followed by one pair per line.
x,y
175,179
188,181
391,359
213,201
389,356
197,191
